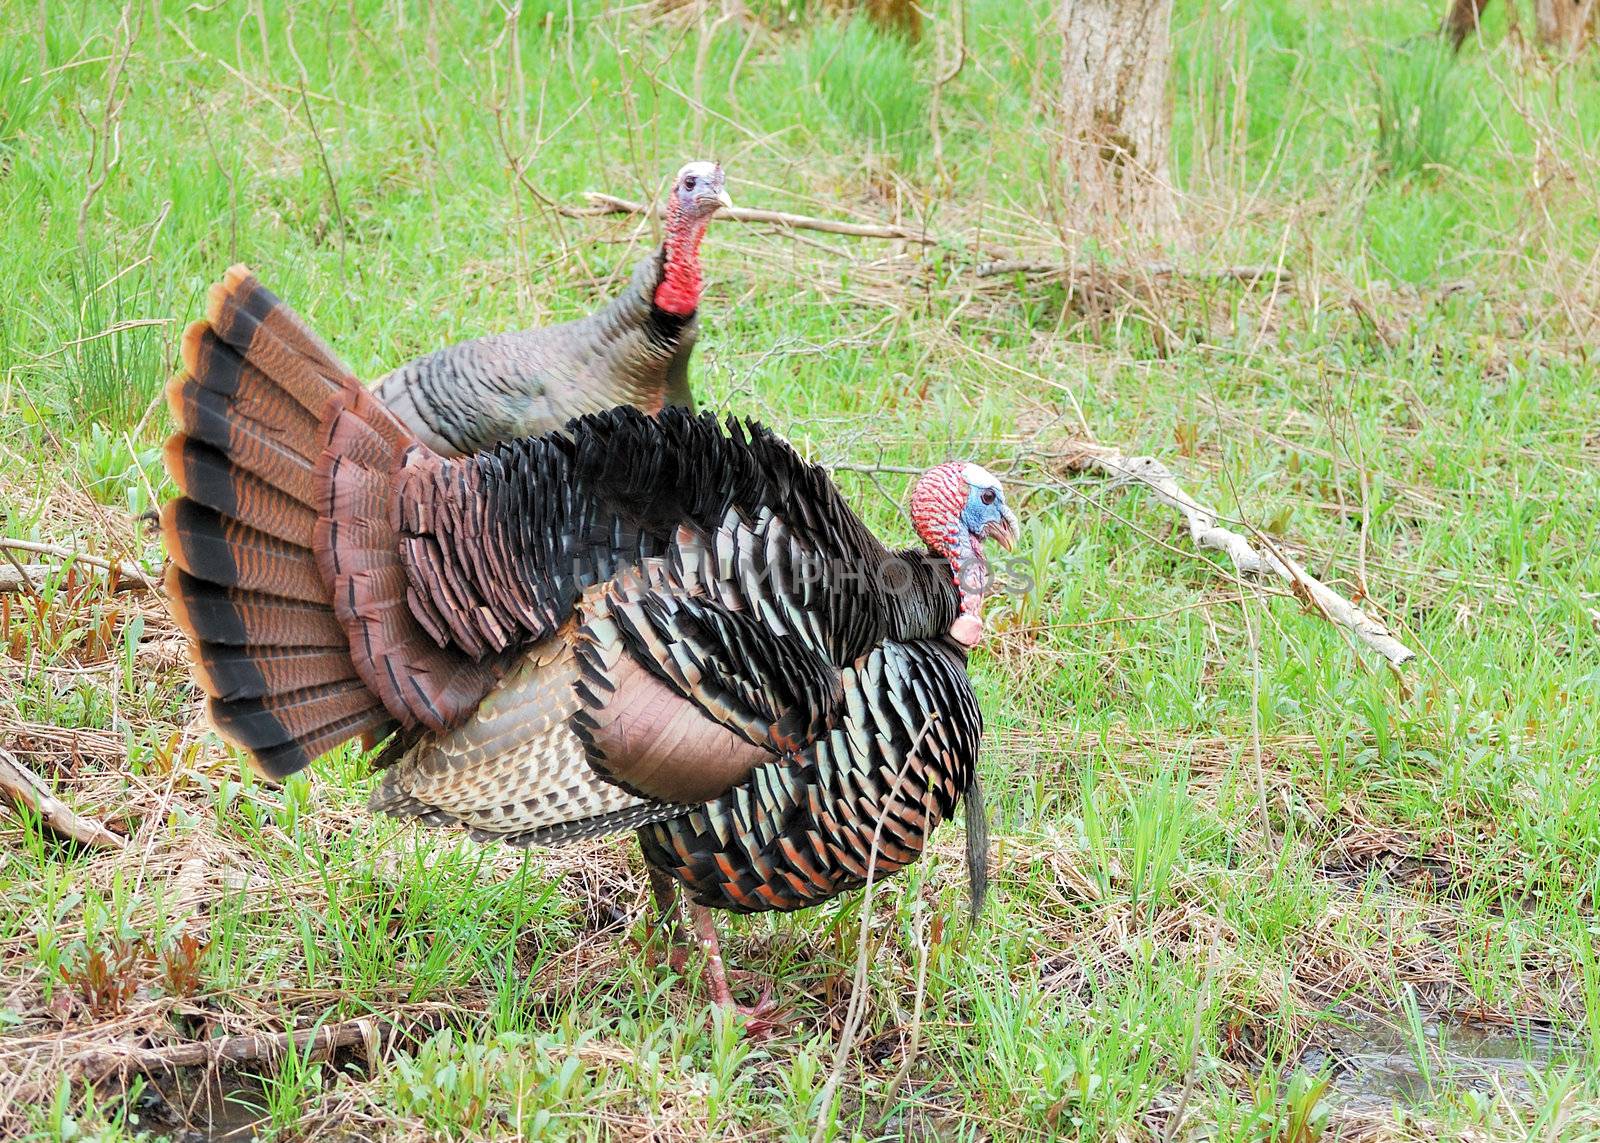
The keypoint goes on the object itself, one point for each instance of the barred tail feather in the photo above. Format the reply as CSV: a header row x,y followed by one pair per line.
x,y
252,403
286,569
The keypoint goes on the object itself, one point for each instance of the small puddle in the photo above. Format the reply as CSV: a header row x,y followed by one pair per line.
x,y
210,1107
1376,1061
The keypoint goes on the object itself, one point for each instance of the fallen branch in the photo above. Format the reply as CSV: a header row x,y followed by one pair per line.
x,y
600,204
1274,276
131,574
23,790
1252,276
1248,275
1207,533
371,1032
26,579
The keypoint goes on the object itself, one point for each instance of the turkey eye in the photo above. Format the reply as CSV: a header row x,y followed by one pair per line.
x,y
688,182
988,496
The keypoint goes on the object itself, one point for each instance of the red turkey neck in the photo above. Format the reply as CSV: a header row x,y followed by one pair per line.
x,y
971,570
679,291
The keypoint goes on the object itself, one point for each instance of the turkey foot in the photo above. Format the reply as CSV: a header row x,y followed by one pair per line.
x,y
763,1019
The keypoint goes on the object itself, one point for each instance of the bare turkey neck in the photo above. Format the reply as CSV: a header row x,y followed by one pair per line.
x,y
679,291
971,571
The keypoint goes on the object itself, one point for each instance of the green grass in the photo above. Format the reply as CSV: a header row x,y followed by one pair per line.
x,y
1221,831
1423,122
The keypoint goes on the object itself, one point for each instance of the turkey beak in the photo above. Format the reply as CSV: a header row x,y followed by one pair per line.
x,y
724,201
1003,531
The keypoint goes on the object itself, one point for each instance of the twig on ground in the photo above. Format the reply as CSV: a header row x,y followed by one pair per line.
x,y
373,1032
322,150
111,330
24,579
130,574
22,789
1270,276
76,743
701,55
1248,275
926,940
600,204
17,577
942,80
1207,533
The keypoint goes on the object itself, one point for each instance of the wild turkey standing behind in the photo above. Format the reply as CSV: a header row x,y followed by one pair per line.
x,y
632,351
660,624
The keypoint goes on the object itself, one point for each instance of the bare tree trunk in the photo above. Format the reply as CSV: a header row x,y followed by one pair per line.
x,y
1116,117
1462,20
1563,24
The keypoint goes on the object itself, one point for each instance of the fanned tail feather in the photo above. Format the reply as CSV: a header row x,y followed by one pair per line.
x,y
252,403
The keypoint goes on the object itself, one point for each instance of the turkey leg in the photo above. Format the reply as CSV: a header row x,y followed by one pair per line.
x,y
668,927
760,1017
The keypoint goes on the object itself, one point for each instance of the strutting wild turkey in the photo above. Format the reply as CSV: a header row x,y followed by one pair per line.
x,y
632,351
662,624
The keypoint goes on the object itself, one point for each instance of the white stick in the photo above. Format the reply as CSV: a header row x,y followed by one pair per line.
x,y
124,569
26,579
23,789
1207,533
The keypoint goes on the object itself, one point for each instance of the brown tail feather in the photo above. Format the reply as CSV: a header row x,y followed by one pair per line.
x,y
222,368
209,478
358,548
259,447
239,309
209,545
288,732
287,575
219,617
268,648
231,673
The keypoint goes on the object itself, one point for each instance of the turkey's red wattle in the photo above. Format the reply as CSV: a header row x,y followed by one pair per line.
x,y
679,291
